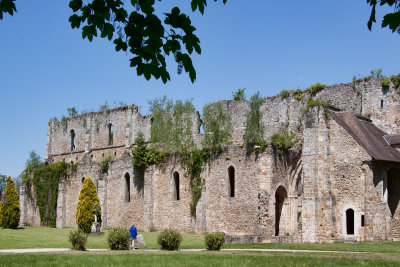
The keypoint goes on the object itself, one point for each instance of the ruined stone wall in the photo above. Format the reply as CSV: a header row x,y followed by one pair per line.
x,y
325,174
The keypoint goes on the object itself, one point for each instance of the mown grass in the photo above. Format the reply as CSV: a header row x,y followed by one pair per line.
x,y
185,259
45,237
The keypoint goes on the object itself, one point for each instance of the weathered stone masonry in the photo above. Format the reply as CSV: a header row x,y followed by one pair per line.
x,y
341,181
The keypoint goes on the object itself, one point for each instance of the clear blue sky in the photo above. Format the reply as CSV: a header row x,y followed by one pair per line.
x,y
263,45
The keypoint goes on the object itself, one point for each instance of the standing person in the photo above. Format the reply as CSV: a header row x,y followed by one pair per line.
x,y
133,231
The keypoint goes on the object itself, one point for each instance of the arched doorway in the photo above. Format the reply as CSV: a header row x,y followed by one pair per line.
x,y
350,222
280,198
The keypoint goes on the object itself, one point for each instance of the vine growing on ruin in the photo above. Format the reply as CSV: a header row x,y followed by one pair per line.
x,y
45,179
194,162
254,133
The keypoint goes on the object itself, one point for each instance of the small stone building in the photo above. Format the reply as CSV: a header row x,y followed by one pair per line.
x,y
340,182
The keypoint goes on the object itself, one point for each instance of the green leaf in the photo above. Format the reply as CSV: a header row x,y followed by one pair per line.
x,y
75,21
75,5
392,20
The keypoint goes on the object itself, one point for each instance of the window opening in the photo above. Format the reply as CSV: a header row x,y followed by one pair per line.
x,y
231,173
381,103
110,134
176,185
362,220
72,140
128,188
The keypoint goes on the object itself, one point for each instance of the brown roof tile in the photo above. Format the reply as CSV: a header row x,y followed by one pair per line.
x,y
367,135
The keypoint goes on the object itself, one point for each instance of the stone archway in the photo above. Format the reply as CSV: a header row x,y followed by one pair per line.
x,y
280,210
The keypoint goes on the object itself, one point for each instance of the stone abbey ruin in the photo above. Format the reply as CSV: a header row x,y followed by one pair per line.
x,y
339,182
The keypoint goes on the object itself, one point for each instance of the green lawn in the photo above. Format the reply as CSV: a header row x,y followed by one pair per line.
x,y
45,237
186,259
368,254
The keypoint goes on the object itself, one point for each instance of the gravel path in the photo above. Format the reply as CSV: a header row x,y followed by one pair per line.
x,y
49,250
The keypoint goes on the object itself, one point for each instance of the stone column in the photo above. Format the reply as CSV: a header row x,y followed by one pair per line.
x,y
23,204
60,221
102,194
148,199
309,205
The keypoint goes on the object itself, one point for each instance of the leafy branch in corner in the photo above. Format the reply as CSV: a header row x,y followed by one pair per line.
x,y
148,38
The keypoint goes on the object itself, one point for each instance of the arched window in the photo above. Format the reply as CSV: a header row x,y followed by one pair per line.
x,y
128,188
110,134
350,221
72,140
231,173
176,186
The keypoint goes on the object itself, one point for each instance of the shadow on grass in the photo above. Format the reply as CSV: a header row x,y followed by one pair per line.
x,y
18,228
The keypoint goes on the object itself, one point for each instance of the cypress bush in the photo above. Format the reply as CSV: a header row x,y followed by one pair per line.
x,y
214,241
84,212
118,239
169,240
78,239
9,213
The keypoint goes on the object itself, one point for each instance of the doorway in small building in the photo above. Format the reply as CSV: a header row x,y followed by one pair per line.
x,y
350,222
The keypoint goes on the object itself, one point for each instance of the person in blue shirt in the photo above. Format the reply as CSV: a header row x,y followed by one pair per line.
x,y
133,231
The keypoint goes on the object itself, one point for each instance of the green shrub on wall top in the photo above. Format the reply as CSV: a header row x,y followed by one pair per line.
x,y
214,241
118,239
9,213
87,199
169,240
316,88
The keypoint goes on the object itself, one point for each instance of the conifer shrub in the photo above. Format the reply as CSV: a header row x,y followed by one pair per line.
x,y
9,213
78,239
84,212
214,241
169,239
143,157
118,239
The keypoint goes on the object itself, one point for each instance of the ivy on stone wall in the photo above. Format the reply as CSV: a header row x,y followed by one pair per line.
x,y
143,157
46,178
217,127
194,162
254,133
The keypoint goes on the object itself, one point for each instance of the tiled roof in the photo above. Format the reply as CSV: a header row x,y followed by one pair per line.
x,y
372,139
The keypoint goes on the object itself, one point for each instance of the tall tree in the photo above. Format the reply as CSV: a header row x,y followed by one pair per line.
x,y
9,213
